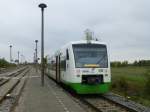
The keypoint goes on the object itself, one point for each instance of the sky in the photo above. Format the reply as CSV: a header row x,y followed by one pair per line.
x,y
123,24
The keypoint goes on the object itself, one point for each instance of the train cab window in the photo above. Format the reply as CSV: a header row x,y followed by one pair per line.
x,y
67,54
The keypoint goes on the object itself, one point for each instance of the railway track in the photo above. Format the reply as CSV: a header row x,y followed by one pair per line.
x,y
109,103
99,104
4,78
106,103
10,89
131,105
94,103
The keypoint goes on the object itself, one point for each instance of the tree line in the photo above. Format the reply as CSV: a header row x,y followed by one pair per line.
x,y
126,63
4,63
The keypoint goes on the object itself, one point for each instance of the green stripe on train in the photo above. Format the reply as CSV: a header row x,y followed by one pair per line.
x,y
89,89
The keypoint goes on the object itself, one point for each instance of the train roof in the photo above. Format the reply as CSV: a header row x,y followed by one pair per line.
x,y
85,42
78,42
82,42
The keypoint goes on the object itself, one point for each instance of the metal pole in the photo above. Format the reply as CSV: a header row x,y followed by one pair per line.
x,y
10,53
36,57
42,6
18,57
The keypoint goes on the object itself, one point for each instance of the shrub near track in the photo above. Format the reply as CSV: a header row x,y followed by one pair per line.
x,y
3,63
133,82
6,65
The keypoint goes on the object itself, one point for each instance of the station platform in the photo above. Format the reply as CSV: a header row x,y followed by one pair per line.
x,y
50,98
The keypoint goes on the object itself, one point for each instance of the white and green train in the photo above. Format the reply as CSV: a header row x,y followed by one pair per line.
x,y
83,66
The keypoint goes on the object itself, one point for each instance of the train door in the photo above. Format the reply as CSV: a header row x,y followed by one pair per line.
x,y
59,68
56,68
67,62
58,72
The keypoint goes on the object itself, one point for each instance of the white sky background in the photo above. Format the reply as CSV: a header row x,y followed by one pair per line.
x,y
123,24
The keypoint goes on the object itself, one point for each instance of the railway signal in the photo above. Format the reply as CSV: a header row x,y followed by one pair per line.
x,y
42,6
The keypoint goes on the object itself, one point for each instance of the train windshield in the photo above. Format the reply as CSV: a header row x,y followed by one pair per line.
x,y
90,55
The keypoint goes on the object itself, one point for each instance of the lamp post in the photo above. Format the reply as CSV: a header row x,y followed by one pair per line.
x,y
42,6
18,57
10,53
36,57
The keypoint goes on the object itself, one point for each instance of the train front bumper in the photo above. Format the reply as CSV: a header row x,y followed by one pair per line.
x,y
90,89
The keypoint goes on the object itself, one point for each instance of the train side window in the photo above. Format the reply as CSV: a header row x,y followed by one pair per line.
x,y
63,65
67,54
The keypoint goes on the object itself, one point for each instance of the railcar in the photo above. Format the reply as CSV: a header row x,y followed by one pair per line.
x,y
83,66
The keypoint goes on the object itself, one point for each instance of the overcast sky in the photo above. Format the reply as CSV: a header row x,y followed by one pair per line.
x,y
123,24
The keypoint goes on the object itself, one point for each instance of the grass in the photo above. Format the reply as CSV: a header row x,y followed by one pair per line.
x,y
135,78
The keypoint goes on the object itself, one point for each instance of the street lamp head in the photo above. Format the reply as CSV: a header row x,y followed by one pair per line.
x,y
10,46
42,5
36,41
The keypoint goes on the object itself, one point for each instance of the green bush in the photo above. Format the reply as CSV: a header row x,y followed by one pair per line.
x,y
119,64
147,83
121,84
3,63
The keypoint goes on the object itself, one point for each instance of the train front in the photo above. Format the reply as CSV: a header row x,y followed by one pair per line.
x,y
92,67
